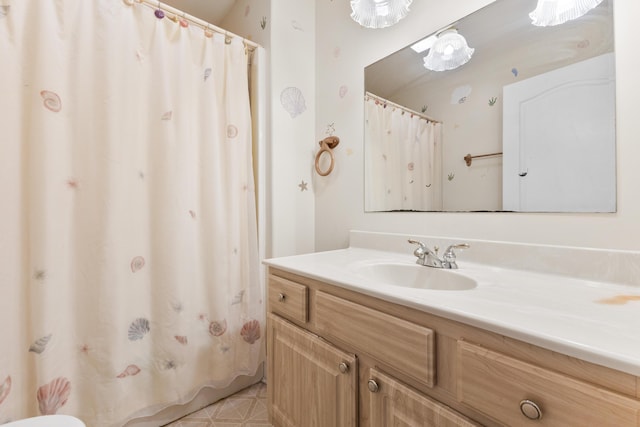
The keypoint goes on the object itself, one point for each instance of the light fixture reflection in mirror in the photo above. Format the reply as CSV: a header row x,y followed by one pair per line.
x,y
448,52
567,151
555,12
379,13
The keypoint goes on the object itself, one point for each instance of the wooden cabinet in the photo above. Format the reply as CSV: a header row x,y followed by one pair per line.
x,y
340,358
288,299
515,392
311,382
390,340
395,404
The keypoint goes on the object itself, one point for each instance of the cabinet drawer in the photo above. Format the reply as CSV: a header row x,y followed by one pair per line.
x,y
289,299
395,404
401,345
496,384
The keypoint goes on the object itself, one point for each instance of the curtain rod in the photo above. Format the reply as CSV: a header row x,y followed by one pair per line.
x,y
197,21
402,107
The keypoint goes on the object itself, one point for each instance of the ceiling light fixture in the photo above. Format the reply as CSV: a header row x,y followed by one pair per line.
x,y
379,13
556,12
449,51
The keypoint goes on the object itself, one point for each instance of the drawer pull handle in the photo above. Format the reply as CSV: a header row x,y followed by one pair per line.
x,y
373,386
530,410
281,297
343,367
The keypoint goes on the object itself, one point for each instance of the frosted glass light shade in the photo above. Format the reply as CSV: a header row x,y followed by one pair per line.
x,y
448,52
556,12
379,13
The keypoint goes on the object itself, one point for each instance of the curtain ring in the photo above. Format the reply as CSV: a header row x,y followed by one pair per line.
x,y
327,145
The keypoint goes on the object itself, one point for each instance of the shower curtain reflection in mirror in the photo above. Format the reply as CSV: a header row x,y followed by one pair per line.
x,y
129,270
402,158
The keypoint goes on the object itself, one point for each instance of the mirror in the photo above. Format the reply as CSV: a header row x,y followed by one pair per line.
x,y
527,124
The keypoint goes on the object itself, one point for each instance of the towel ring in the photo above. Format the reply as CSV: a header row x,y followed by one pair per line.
x,y
326,146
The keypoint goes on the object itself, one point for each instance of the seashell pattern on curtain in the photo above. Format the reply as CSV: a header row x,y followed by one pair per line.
x,y
129,270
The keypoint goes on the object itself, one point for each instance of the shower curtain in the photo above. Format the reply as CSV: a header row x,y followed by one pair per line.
x,y
402,159
129,270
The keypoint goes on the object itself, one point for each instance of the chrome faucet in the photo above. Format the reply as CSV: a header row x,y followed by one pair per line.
x,y
430,258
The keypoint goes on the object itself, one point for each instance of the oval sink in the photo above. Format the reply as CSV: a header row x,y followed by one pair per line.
x,y
416,276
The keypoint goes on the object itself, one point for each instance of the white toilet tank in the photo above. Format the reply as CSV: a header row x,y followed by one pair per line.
x,y
47,421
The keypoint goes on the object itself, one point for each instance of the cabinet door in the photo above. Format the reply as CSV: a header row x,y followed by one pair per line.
x,y
393,404
310,382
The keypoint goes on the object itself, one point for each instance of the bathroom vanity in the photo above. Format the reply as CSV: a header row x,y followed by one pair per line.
x,y
346,348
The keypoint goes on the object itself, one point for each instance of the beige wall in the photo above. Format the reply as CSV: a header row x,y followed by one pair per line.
x,y
342,51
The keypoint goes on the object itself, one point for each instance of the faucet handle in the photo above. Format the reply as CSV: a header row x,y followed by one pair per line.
x,y
456,246
421,250
449,256
417,242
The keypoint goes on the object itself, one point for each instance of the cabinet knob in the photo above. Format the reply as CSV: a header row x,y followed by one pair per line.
x,y
530,409
281,297
373,386
343,367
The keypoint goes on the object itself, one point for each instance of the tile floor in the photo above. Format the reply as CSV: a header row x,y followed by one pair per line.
x,y
247,408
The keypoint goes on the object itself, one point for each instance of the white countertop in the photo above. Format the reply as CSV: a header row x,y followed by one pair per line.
x,y
552,311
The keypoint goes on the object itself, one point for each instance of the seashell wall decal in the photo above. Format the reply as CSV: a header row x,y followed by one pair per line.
x,y
53,396
293,102
52,101
460,94
182,339
129,371
138,329
167,116
218,328
250,331
5,388
137,263
40,344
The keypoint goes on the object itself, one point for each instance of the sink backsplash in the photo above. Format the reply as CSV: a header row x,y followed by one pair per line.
x,y
600,265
